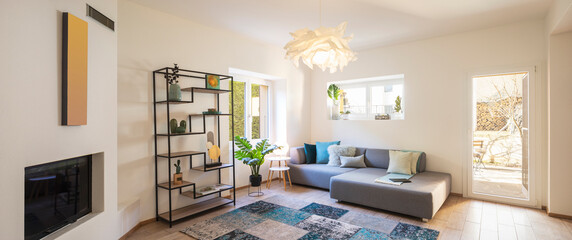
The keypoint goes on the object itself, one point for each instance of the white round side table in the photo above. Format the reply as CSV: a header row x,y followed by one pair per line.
x,y
281,169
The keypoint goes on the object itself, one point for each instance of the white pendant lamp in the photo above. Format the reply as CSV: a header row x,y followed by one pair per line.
x,y
324,47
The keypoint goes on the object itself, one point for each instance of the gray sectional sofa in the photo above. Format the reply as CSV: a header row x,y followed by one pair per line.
x,y
421,198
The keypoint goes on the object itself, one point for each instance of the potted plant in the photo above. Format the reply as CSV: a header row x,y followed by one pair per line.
x,y
397,109
174,88
345,115
253,156
178,176
334,93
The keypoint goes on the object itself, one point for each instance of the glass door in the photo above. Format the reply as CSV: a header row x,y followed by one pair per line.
x,y
500,162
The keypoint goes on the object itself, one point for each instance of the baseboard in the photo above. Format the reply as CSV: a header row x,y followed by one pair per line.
x,y
139,225
557,215
456,194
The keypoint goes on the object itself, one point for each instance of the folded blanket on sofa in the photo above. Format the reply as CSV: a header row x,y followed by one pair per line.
x,y
385,179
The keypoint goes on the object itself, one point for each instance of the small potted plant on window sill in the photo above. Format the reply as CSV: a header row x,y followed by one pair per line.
x,y
345,115
397,114
178,176
253,156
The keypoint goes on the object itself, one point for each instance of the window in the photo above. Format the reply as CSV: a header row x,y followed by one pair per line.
x,y
251,101
368,99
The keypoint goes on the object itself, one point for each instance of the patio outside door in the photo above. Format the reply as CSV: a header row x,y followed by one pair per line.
x,y
500,163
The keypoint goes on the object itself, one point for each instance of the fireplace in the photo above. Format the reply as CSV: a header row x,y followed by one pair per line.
x,y
57,194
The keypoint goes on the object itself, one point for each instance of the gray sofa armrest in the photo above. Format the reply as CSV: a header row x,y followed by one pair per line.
x,y
297,155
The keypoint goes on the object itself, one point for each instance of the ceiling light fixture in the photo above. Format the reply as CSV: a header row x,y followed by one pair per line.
x,y
325,47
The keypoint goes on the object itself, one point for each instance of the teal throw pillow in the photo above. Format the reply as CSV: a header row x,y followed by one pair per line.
x,y
322,155
310,151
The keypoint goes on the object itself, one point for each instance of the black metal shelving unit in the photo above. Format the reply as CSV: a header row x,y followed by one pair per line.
x,y
177,214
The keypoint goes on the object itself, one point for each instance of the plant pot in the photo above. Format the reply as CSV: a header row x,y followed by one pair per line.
x,y
175,92
335,111
255,180
178,178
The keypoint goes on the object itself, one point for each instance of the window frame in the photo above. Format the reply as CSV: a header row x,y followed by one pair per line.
x,y
369,84
248,81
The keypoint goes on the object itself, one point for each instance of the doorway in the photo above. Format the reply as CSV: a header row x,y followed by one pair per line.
x,y
500,162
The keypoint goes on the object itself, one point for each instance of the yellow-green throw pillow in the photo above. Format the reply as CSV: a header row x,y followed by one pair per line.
x,y
399,162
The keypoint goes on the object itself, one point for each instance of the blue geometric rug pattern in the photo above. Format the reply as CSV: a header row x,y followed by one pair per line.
x,y
267,220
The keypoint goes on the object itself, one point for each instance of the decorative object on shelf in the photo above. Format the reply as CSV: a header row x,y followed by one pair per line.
x,y
334,93
345,115
178,176
213,151
253,156
213,81
382,117
174,88
397,109
74,71
325,47
212,111
175,128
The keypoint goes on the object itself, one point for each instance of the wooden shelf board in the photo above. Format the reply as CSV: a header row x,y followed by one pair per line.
x,y
204,90
202,168
173,186
191,194
179,134
180,154
195,208
174,102
201,114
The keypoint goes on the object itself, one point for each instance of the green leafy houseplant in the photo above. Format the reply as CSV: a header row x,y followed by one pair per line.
x,y
253,156
334,92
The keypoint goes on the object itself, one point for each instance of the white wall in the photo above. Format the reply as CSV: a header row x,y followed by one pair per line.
x,y
560,130
30,98
436,87
149,40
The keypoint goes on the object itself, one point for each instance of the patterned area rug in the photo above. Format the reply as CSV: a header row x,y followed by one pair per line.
x,y
286,218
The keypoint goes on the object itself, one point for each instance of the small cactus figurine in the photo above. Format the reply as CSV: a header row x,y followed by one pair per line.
x,y
178,176
183,127
178,166
173,125
175,128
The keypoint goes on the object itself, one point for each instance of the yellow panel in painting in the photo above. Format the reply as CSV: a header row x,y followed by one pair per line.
x,y
76,71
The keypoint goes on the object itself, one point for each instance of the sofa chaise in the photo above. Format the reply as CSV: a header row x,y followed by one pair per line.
x,y
421,198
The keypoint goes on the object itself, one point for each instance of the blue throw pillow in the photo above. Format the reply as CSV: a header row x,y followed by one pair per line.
x,y
310,151
322,155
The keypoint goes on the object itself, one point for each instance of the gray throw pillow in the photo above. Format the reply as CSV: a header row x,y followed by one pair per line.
x,y
352,162
336,151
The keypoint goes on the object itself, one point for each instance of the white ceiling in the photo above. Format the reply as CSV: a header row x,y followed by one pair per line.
x,y
374,23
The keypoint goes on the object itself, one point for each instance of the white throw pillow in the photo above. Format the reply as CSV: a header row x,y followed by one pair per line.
x,y
336,151
399,162
414,160
352,162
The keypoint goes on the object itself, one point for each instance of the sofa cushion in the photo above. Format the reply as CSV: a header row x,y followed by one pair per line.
x,y
297,155
378,158
399,162
356,162
322,156
337,151
317,175
310,152
421,198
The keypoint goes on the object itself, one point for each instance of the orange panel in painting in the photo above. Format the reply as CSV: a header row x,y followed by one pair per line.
x,y
74,71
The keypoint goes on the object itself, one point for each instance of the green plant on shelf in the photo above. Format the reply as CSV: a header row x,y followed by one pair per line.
x,y
178,167
397,107
334,93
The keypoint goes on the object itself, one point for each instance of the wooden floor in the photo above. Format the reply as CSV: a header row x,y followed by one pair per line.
x,y
458,218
